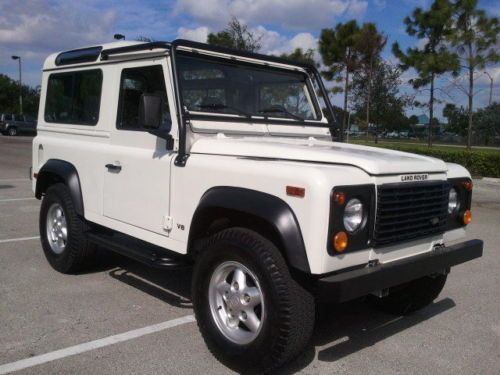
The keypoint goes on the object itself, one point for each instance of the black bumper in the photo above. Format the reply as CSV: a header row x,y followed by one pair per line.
x,y
362,281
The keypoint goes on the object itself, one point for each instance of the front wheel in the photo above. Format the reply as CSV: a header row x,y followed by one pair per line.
x,y
12,132
251,313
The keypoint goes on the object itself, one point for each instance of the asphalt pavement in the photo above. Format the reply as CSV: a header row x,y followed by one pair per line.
x,y
121,317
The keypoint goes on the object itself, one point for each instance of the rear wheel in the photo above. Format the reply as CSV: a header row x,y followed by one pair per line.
x,y
251,313
12,131
62,231
407,298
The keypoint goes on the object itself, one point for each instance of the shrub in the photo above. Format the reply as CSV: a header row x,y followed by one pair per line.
x,y
485,163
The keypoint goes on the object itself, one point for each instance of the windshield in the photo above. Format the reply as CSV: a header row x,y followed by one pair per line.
x,y
219,86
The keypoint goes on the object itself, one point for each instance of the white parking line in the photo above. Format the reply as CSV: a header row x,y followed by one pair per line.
x,y
16,199
13,179
91,345
19,239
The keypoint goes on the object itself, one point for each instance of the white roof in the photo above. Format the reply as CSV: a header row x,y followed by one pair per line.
x,y
50,61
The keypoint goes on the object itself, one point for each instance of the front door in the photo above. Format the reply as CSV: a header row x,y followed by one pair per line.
x,y
137,166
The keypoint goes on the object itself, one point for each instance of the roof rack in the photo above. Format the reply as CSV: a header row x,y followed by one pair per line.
x,y
134,48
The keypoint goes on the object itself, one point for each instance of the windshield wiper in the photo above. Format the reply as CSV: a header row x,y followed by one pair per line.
x,y
278,109
216,107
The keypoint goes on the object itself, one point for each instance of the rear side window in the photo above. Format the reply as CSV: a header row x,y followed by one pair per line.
x,y
18,118
74,98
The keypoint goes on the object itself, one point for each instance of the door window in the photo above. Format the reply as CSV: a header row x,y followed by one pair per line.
x,y
134,83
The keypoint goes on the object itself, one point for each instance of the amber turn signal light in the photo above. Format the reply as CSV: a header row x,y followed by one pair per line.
x,y
467,218
340,241
467,185
339,198
296,191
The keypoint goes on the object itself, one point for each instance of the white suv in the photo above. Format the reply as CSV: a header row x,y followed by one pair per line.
x,y
181,153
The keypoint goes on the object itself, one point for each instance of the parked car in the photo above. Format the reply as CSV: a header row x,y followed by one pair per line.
x,y
12,124
393,134
185,154
404,134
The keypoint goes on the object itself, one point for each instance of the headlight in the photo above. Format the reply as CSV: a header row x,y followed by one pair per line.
x,y
353,215
453,202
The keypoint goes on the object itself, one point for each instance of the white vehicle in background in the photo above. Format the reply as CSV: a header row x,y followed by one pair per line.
x,y
393,134
180,154
404,134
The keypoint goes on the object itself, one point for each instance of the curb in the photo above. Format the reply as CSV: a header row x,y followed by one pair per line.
x,y
491,179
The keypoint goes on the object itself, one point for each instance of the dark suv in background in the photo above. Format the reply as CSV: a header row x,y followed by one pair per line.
x,y
12,124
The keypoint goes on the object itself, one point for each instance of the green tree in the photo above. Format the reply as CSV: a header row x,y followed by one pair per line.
x,y
433,58
413,120
488,122
475,37
370,45
236,36
142,38
457,119
338,49
299,55
9,97
387,105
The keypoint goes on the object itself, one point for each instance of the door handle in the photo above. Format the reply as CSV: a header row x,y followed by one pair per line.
x,y
114,167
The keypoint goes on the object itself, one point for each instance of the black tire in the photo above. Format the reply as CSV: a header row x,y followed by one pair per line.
x,y
12,131
78,251
290,309
407,298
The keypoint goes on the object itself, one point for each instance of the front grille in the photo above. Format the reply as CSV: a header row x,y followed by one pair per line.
x,y
409,211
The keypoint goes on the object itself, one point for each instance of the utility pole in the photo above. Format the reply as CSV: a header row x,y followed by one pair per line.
x,y
18,58
348,127
491,86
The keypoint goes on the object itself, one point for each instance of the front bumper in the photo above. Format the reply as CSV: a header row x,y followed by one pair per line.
x,y
362,281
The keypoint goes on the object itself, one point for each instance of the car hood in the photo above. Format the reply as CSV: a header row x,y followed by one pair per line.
x,y
373,160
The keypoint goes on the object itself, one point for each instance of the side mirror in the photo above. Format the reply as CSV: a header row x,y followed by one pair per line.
x,y
150,111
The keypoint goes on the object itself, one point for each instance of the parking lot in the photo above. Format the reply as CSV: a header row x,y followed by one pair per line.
x,y
121,317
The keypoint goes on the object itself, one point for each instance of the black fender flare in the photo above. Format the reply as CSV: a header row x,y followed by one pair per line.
x,y
54,171
269,208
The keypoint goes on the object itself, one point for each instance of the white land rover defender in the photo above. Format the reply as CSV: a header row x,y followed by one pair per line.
x,y
183,153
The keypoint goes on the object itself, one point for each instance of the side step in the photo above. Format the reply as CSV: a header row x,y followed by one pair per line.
x,y
139,250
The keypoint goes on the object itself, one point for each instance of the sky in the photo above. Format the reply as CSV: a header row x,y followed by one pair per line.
x,y
34,29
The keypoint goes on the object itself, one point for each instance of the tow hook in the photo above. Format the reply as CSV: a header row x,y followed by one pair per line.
x,y
381,292
438,247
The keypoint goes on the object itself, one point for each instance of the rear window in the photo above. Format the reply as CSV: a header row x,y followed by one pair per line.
x,y
74,98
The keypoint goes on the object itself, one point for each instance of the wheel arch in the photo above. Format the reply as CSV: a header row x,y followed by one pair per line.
x,y
60,171
223,206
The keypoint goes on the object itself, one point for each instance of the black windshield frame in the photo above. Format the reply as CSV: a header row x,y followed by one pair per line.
x,y
270,119
183,117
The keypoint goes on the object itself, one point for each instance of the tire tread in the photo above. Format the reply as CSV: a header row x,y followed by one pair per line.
x,y
295,304
79,251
